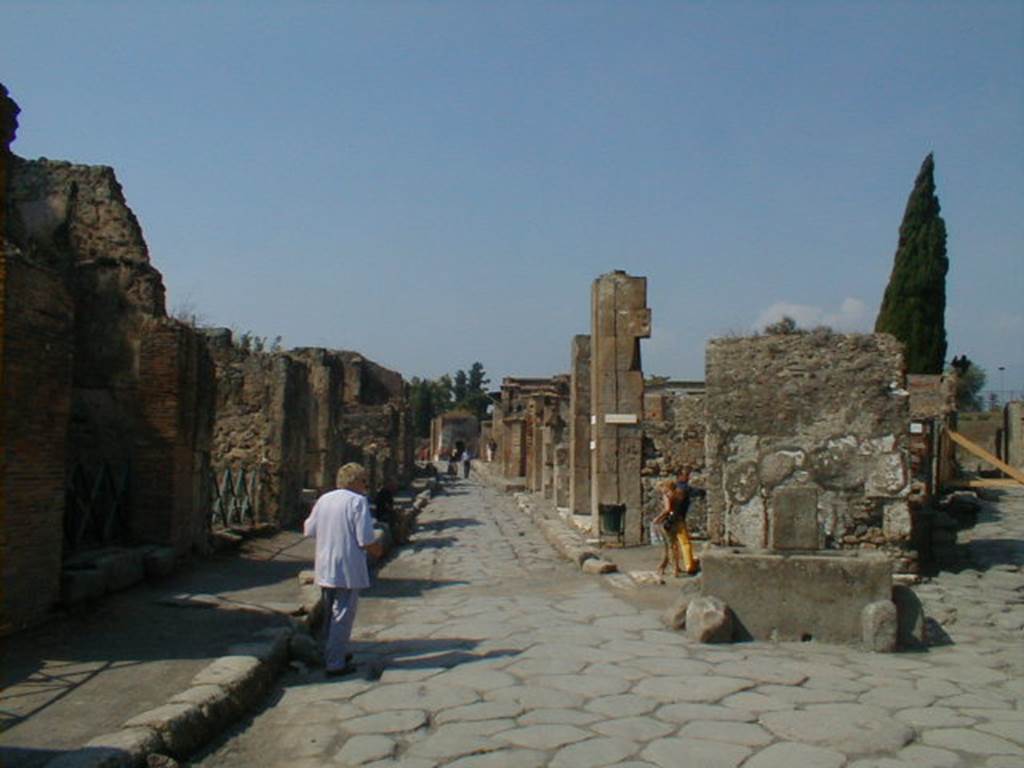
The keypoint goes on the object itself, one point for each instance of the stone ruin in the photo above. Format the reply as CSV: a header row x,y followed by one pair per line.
x,y
450,430
290,419
805,442
115,417
529,427
808,485
599,458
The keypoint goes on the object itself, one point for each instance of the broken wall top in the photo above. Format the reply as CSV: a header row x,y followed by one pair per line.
x,y
818,382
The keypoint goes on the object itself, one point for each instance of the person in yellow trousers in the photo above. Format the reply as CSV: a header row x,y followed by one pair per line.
x,y
684,494
676,496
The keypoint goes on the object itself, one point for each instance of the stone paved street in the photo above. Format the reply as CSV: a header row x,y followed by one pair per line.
x,y
496,653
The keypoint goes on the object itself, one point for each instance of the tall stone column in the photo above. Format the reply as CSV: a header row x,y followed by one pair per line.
x,y
579,426
619,319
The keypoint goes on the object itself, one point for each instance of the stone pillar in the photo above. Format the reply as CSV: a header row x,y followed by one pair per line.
x,y
579,427
1014,431
619,319
535,445
172,455
561,475
515,457
548,461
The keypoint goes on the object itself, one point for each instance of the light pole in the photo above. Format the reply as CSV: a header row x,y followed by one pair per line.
x,y
1002,384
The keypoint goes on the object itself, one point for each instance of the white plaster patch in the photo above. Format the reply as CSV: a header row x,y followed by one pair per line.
x,y
896,520
746,524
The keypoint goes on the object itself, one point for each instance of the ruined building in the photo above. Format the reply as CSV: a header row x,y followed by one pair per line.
x,y
286,421
115,417
822,414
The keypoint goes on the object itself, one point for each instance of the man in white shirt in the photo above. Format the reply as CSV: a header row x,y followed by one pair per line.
x,y
343,528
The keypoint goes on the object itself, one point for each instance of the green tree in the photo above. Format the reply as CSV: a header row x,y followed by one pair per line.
x,y
477,377
970,381
461,387
914,306
421,403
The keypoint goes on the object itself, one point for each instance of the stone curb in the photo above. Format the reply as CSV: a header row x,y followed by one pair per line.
x,y
567,542
220,694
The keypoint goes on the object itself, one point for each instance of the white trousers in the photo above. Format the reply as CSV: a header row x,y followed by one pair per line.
x,y
339,616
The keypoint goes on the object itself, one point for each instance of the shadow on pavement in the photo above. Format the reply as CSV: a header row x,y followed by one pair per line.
x,y
385,587
435,542
456,522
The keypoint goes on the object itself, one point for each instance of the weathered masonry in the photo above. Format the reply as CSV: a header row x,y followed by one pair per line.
x,y
824,413
285,422
619,319
118,422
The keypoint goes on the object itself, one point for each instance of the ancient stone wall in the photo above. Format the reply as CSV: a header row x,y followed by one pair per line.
x,y
293,418
931,396
674,429
130,407
817,411
35,403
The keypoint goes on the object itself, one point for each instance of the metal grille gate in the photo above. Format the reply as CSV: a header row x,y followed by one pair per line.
x,y
96,512
234,498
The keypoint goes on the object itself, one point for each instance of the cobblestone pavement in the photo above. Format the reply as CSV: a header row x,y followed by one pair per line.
x,y
495,653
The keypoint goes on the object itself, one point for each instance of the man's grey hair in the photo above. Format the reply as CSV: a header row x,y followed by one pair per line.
x,y
351,473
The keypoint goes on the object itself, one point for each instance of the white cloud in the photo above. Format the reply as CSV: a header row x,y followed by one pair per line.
x,y
851,315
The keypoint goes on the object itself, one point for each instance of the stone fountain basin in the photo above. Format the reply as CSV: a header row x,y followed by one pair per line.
x,y
816,595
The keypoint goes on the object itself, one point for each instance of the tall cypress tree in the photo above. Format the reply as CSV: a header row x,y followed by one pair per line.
x,y
914,307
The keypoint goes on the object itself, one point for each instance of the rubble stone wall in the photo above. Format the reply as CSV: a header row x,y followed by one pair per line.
x,y
821,411
674,429
295,417
36,403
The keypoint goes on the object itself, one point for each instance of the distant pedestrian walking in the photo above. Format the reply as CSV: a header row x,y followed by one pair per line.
x,y
466,462
453,461
343,528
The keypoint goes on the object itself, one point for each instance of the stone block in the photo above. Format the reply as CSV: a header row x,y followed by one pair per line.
x,y
634,322
709,620
218,708
81,585
159,562
674,616
182,727
797,597
243,677
879,626
122,569
597,565
794,519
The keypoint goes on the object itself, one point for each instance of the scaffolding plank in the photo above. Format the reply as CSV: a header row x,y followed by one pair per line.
x,y
981,453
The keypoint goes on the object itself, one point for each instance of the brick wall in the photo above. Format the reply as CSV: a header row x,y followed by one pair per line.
x,y
36,404
171,456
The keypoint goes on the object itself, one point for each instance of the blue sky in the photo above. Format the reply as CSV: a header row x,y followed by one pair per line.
x,y
434,183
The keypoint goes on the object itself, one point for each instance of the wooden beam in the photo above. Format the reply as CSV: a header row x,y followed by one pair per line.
x,y
988,482
984,455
